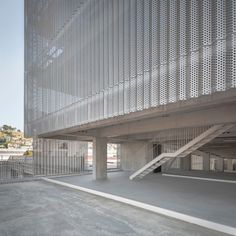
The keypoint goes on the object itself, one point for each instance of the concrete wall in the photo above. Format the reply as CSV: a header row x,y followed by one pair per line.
x,y
135,155
185,163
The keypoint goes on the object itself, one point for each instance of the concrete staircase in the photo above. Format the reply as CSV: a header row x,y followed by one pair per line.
x,y
185,150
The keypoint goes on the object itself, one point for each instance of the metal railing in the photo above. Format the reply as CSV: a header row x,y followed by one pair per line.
x,y
51,158
15,168
18,168
54,165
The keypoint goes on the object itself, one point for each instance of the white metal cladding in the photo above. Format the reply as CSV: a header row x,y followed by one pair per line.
x,y
53,156
88,60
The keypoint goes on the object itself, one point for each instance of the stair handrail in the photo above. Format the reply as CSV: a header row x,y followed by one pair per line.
x,y
175,154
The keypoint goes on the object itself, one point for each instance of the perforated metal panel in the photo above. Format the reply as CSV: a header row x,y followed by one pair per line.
x,y
147,55
52,157
95,59
155,48
182,22
172,54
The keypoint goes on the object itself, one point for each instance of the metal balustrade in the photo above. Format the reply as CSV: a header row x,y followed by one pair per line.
x,y
51,157
15,168
198,141
21,168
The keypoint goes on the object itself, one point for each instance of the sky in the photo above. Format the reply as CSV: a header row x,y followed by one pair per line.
x,y
12,63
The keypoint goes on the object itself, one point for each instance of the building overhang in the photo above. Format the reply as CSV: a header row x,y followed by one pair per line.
x,y
205,110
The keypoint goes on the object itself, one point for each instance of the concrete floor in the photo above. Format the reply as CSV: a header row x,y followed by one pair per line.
x,y
40,208
205,174
212,201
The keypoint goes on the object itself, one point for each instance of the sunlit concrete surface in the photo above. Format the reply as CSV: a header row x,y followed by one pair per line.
x,y
212,201
39,208
207,175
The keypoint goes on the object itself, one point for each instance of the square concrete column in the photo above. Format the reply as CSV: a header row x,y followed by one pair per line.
x,y
99,158
230,165
185,163
134,155
220,164
206,161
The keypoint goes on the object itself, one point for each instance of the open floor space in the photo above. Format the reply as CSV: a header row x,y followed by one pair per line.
x,y
40,208
208,200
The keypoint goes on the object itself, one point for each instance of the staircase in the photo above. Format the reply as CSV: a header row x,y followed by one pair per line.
x,y
185,150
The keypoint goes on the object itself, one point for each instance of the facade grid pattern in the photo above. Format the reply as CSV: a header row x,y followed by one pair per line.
x,y
90,60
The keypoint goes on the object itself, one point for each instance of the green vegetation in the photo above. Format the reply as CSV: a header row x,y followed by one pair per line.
x,y
28,153
10,137
7,128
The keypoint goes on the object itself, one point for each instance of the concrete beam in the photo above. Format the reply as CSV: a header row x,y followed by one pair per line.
x,y
219,99
217,115
71,137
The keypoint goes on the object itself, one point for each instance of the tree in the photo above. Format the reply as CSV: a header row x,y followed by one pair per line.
x,y
8,128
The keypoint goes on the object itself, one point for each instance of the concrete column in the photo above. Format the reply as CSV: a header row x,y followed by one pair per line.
x,y
118,155
220,164
99,158
185,163
135,155
206,161
230,165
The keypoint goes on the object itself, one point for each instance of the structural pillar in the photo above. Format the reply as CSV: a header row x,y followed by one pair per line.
x,y
99,158
185,163
135,154
206,161
230,165
220,164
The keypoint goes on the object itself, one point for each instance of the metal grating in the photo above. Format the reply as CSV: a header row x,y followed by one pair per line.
x,y
52,157
94,59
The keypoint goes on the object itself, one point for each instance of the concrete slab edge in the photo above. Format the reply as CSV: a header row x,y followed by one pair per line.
x,y
200,178
179,216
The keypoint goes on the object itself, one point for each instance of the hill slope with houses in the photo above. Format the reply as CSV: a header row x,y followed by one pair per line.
x,y
12,138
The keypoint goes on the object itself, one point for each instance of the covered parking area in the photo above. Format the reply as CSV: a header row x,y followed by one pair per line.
x,y
208,198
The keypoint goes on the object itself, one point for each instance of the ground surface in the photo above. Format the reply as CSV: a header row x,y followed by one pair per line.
x,y
206,174
213,201
40,208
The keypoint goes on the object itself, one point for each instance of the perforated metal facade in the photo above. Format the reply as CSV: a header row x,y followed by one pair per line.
x,y
89,60
52,157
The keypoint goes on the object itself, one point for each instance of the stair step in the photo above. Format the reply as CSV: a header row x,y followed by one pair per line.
x,y
210,134
152,167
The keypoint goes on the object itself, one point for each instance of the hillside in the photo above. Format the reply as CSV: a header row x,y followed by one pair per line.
x,y
11,137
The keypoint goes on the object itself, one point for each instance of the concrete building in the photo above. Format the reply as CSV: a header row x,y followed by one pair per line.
x,y
157,77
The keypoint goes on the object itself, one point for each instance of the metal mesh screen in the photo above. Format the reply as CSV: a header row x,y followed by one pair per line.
x,y
94,59
53,157
173,139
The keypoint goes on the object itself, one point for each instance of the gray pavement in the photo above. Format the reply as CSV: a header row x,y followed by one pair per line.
x,y
205,174
40,208
212,201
